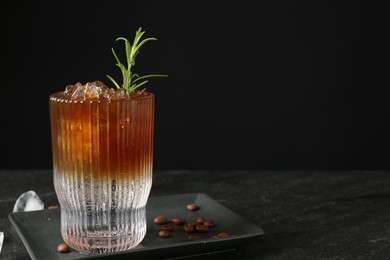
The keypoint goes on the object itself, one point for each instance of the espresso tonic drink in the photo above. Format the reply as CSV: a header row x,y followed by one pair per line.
x,y
102,142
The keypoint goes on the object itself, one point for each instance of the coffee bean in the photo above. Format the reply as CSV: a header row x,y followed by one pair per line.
x,y
178,221
223,235
164,233
192,207
168,227
53,207
160,220
202,228
209,223
200,220
63,248
192,223
189,228
195,237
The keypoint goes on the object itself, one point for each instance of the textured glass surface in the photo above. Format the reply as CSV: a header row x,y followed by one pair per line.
x,y
102,162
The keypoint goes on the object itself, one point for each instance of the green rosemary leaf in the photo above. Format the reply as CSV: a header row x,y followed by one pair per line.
x,y
116,57
138,35
135,86
129,50
124,76
121,38
113,81
149,76
130,79
142,43
133,57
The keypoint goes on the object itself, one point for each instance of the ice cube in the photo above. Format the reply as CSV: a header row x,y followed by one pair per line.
x,y
107,93
28,201
100,84
70,89
120,93
1,240
103,90
78,93
91,91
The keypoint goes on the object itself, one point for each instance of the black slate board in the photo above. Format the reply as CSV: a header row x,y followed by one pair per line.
x,y
40,230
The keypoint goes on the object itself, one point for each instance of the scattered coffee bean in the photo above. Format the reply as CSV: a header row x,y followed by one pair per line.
x,y
193,223
195,237
189,228
200,225
178,221
192,207
164,233
53,207
160,220
200,220
63,248
223,235
202,228
209,223
168,227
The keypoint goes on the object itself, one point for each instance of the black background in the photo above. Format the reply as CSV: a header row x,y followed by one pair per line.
x,y
252,84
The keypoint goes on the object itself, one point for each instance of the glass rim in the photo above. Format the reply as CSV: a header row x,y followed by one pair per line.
x,y
59,97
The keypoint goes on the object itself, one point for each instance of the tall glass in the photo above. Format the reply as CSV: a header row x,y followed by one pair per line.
x,y
102,163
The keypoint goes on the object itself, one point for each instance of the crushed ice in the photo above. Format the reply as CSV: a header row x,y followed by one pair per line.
x,y
28,201
90,91
120,94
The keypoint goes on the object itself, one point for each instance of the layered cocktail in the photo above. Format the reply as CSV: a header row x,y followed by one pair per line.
x,y
102,143
102,140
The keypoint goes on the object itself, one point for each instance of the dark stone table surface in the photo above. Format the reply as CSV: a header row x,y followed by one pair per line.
x,y
305,214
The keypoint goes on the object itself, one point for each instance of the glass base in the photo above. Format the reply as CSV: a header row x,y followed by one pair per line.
x,y
102,238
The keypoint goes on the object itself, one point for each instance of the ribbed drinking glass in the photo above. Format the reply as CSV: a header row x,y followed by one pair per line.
x,y
102,164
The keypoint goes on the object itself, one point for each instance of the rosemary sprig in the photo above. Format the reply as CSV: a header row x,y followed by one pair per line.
x,y
132,81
